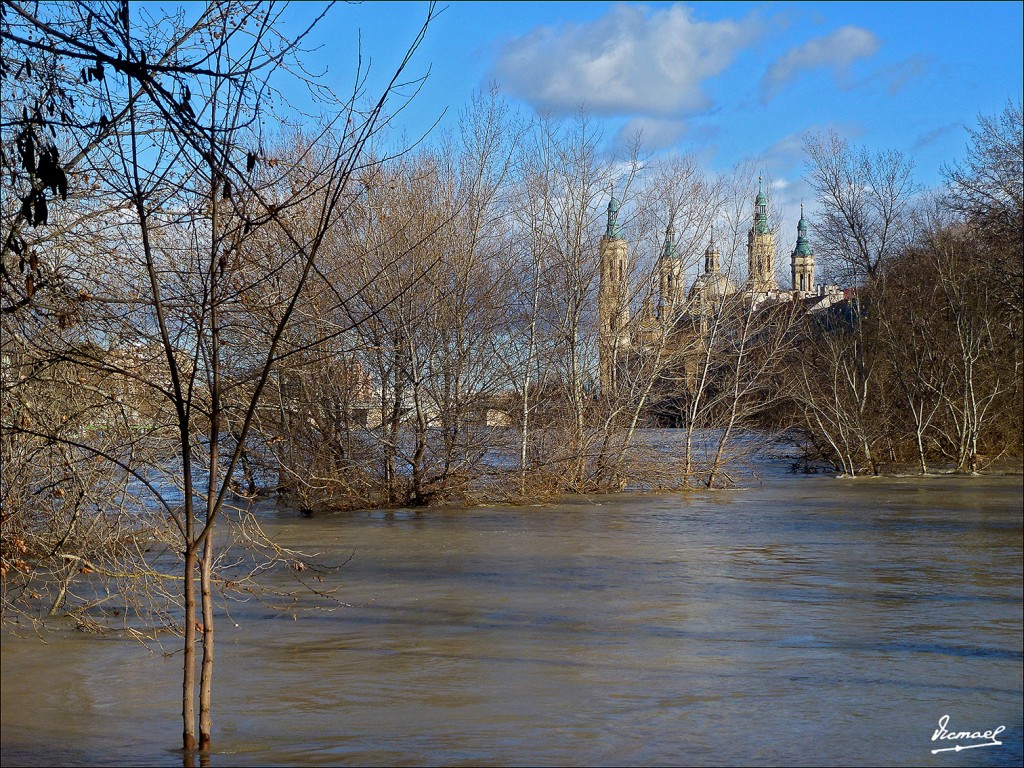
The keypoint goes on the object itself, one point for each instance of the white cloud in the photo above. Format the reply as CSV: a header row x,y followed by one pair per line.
x,y
835,51
629,61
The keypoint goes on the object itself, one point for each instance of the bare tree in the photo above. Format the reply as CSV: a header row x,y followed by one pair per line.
x,y
562,184
974,341
189,229
862,200
836,387
987,188
988,183
908,315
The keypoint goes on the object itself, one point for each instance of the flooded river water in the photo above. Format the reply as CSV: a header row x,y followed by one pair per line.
x,y
807,620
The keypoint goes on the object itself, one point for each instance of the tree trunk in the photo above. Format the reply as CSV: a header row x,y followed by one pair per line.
x,y
188,693
206,678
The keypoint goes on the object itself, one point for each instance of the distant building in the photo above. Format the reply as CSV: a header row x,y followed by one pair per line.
x,y
678,313
612,298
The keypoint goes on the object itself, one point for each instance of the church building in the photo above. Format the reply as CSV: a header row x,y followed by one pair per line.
x,y
621,336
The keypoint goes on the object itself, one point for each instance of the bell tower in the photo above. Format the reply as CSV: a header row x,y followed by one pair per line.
x,y
712,256
761,248
612,298
670,276
802,261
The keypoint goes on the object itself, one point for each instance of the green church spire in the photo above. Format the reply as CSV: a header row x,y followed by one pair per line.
x,y
670,235
760,211
803,247
612,232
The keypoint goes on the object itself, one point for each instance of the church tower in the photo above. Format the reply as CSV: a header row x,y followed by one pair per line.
x,y
761,249
711,287
670,277
712,256
612,299
802,261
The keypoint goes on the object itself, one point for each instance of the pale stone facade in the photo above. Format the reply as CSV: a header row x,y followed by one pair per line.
x,y
613,298
712,285
802,261
761,249
619,337
670,277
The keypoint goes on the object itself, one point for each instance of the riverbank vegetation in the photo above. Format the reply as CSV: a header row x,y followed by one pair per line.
x,y
206,297
924,369
163,234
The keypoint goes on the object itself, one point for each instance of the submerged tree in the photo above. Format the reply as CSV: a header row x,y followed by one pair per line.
x,y
180,227
924,364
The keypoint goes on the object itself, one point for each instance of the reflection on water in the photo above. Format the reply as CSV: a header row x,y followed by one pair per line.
x,y
808,620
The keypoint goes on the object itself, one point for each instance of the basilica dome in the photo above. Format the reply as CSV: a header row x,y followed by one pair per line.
x,y
711,286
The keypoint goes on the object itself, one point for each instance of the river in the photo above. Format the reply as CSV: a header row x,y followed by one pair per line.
x,y
802,621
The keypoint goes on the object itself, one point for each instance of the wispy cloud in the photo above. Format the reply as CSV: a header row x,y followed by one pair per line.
x,y
934,135
894,77
629,61
654,132
786,152
835,51
787,156
902,72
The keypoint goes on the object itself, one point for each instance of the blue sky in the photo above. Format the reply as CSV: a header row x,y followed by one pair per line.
x,y
725,81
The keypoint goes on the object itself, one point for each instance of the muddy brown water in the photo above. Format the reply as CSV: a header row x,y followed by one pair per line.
x,y
808,620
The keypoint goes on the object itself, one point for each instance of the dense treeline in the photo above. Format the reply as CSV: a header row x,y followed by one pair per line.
x,y
925,368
